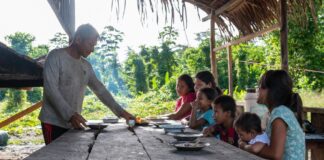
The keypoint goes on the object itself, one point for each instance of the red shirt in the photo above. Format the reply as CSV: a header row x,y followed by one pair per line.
x,y
190,97
227,135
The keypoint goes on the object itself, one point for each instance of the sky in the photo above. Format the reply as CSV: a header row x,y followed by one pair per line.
x,y
37,18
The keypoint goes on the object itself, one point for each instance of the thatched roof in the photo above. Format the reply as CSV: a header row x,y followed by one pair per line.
x,y
17,70
244,16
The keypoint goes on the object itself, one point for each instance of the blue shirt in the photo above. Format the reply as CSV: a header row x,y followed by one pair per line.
x,y
207,116
295,138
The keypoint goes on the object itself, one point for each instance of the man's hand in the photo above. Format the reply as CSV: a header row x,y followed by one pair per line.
x,y
127,116
77,121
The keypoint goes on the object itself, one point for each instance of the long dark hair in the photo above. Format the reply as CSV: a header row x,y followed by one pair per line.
x,y
207,78
279,86
189,82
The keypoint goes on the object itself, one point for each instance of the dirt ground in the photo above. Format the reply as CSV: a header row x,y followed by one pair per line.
x,y
17,152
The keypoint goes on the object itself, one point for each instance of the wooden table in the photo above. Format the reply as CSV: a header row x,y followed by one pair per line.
x,y
145,143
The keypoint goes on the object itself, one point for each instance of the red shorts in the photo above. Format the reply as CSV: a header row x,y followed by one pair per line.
x,y
51,132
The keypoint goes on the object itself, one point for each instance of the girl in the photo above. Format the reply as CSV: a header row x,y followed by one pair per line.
x,y
248,128
287,139
202,113
185,89
202,79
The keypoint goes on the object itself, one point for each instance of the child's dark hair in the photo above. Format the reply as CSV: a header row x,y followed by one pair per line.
x,y
210,93
248,122
188,80
227,103
207,78
279,86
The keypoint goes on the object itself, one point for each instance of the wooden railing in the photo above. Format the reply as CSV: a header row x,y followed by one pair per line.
x,y
21,114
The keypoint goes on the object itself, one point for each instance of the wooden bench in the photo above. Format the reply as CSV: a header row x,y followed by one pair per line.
x,y
117,142
315,142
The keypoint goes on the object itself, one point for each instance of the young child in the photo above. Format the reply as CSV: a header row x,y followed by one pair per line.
x,y
287,139
202,113
185,89
248,128
224,115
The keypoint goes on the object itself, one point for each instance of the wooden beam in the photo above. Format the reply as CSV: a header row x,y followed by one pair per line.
x,y
248,37
284,35
213,63
230,70
21,114
220,10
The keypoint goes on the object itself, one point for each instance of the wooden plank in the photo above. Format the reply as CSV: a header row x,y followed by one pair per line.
x,y
284,35
117,142
317,121
230,4
213,62
313,110
73,145
21,114
157,146
248,37
230,70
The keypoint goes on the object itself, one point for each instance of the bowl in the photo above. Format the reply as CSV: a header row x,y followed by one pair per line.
x,y
186,136
110,120
169,128
96,124
189,146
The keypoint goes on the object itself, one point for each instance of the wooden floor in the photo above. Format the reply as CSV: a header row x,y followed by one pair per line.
x,y
117,142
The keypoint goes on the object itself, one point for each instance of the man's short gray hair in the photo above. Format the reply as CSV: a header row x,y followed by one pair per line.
x,y
85,31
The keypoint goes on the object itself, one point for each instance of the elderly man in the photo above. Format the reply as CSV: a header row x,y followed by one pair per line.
x,y
66,75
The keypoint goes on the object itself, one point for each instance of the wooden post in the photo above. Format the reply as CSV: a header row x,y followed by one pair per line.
x,y
284,35
230,70
213,63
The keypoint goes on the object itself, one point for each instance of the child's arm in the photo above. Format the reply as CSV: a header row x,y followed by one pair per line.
x,y
252,148
277,142
194,122
185,108
209,131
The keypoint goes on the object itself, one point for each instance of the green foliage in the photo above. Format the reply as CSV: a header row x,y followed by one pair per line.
x,y
16,99
21,42
35,95
38,51
60,40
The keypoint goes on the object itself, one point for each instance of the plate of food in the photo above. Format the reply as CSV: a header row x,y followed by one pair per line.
x,y
189,146
186,136
96,124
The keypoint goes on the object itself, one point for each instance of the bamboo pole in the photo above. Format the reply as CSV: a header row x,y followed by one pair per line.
x,y
230,70
21,114
213,63
284,35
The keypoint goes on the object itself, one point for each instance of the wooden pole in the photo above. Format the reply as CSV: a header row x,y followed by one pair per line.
x,y
284,35
213,63
21,114
230,70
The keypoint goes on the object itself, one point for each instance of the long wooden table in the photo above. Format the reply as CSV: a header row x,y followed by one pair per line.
x,y
145,143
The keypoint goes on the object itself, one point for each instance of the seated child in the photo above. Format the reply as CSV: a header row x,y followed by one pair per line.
x,y
185,89
224,115
248,128
202,113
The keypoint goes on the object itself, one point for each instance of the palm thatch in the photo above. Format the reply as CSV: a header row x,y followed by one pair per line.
x,y
242,16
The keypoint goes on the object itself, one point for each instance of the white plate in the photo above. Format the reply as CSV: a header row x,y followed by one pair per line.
x,y
170,126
